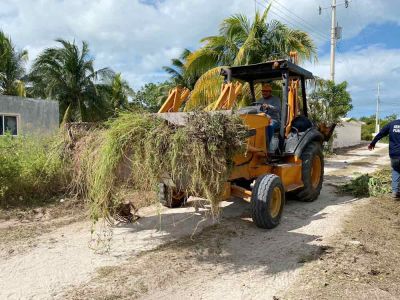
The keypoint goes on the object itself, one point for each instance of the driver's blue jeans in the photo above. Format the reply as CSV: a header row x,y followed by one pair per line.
x,y
271,129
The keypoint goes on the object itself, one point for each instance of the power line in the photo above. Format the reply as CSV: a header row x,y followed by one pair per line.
x,y
299,25
295,22
326,19
296,25
288,21
300,18
346,4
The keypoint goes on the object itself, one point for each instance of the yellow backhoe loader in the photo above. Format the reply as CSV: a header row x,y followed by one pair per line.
x,y
292,162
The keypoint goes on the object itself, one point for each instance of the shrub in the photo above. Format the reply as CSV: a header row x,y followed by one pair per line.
x,y
31,170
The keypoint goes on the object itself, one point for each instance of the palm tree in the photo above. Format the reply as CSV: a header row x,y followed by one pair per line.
x,y
118,91
179,75
67,75
241,42
12,67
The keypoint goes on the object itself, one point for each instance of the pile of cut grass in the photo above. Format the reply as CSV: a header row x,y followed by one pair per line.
x,y
137,150
369,185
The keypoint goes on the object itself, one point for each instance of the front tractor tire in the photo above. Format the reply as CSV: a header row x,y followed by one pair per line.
x,y
267,201
170,197
312,172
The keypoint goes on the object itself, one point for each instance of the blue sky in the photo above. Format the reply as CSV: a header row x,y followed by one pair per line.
x,y
138,37
383,37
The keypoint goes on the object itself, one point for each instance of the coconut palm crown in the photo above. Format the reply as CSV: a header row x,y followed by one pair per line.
x,y
67,74
242,41
12,67
178,72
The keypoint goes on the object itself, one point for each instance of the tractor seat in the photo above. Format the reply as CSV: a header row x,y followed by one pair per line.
x,y
301,124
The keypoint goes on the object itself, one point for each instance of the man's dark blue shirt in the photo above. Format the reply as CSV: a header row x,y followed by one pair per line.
x,y
393,130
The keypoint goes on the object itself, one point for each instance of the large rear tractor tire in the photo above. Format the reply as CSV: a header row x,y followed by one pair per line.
x,y
267,201
312,172
170,197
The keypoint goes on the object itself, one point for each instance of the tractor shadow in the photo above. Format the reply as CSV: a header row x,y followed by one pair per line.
x,y
233,241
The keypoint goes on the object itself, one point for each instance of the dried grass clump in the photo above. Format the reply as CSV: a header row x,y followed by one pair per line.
x,y
136,151
366,185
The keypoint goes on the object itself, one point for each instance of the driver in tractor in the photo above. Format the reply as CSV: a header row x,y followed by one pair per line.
x,y
271,106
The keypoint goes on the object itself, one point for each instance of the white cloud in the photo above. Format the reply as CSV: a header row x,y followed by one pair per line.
x,y
363,70
138,39
126,35
353,19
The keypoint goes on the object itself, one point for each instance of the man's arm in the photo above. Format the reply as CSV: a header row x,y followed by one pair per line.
x,y
275,105
384,132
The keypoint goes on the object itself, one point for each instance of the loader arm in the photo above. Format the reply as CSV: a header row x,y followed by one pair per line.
x,y
175,99
227,98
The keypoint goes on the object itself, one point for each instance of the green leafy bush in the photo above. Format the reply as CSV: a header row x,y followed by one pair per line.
x,y
31,170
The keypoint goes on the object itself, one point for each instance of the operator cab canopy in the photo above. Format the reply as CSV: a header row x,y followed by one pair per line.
x,y
281,69
271,70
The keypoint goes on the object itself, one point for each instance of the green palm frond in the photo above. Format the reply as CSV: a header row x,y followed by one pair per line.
x,y
236,26
177,63
242,41
174,73
67,74
206,90
201,61
179,73
12,67
185,53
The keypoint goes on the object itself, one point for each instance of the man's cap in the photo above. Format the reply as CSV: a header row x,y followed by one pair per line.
x,y
266,87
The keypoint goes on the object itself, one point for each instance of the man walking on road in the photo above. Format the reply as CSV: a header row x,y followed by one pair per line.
x,y
393,130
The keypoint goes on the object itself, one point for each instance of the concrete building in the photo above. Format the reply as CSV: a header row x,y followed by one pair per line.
x,y
347,134
28,116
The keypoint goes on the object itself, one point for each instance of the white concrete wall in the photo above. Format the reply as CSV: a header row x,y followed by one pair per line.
x,y
35,116
347,134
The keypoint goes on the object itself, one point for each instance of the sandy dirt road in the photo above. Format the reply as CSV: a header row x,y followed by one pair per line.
x,y
182,254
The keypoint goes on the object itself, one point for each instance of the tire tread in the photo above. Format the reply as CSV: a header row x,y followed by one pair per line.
x,y
259,200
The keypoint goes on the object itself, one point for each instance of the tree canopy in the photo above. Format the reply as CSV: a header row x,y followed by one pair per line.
x,y
12,67
179,73
242,41
151,96
329,102
67,74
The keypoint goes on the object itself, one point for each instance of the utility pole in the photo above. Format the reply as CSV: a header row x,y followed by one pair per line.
x,y
336,33
378,100
333,40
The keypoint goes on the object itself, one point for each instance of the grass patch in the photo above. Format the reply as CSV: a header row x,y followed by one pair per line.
x,y
31,171
366,185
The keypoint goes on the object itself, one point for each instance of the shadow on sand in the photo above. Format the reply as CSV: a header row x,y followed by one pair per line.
x,y
234,241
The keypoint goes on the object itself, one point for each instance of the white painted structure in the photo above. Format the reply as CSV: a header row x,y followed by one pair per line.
x,y
347,134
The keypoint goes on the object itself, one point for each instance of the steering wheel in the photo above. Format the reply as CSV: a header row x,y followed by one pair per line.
x,y
259,106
